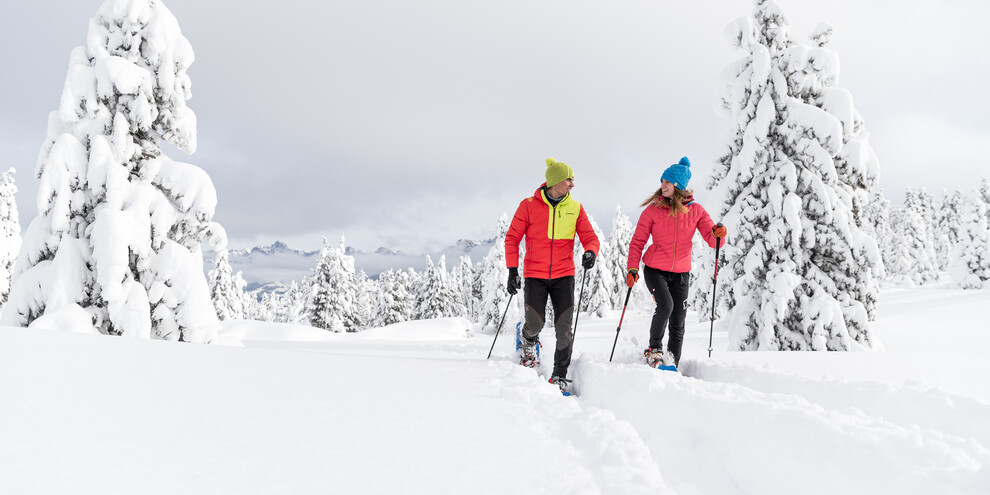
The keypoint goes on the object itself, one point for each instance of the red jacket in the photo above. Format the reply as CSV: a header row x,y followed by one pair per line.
x,y
671,248
549,233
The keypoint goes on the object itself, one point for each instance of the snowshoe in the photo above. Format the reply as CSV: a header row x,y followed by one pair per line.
x,y
563,383
660,359
529,352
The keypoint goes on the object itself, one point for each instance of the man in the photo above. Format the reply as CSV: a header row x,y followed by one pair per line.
x,y
549,219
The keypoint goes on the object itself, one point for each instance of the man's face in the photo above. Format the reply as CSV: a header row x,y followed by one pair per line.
x,y
562,188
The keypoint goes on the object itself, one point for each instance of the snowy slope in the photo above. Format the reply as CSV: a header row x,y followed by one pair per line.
x,y
416,408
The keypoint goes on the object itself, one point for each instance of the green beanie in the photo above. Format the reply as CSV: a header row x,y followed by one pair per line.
x,y
558,172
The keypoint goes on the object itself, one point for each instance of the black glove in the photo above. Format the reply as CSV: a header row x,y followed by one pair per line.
x,y
515,283
588,260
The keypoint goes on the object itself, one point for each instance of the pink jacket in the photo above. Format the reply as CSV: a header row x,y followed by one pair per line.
x,y
671,248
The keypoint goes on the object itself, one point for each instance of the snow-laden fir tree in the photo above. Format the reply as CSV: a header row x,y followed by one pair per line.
x,y
394,301
462,278
332,291
598,282
365,297
436,299
856,165
971,258
117,241
909,256
985,192
792,257
10,232
492,277
228,297
876,215
915,256
922,202
948,223
293,302
618,248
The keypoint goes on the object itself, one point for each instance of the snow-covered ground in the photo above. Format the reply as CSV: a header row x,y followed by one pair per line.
x,y
416,408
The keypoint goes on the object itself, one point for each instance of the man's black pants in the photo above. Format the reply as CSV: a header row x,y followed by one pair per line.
x,y
561,294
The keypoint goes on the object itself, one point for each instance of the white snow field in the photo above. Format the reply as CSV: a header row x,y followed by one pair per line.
x,y
416,408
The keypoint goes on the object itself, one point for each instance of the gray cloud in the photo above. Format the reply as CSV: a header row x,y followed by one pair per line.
x,y
413,124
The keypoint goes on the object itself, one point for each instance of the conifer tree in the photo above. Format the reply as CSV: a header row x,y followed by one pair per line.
x,y
600,287
366,295
394,300
948,223
789,270
462,279
492,276
333,290
228,298
877,224
615,263
436,299
10,232
117,240
293,302
914,223
971,266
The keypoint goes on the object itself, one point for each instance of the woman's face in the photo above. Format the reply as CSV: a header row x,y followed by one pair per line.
x,y
667,189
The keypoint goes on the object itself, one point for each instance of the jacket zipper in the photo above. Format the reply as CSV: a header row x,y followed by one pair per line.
x,y
674,257
553,231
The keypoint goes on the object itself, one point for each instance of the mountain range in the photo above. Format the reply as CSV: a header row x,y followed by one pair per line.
x,y
274,267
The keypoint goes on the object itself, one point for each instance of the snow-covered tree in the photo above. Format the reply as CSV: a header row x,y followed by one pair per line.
x,y
790,267
600,287
856,165
294,303
985,192
971,261
10,232
332,291
228,297
913,223
492,277
394,303
948,224
365,297
909,258
876,223
117,241
615,263
436,299
462,283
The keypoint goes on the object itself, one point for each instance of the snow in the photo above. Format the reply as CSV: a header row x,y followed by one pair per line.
x,y
416,408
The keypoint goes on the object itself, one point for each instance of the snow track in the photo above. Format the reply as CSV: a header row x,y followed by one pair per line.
x,y
752,430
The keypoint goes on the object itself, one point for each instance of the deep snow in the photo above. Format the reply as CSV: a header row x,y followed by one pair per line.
x,y
416,408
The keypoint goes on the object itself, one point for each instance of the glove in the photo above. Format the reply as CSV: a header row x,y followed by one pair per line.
x,y
588,260
719,230
515,283
632,276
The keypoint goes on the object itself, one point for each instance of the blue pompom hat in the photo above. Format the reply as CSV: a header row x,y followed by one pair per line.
x,y
678,174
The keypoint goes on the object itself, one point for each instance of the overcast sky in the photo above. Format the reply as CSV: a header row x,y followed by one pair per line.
x,y
414,124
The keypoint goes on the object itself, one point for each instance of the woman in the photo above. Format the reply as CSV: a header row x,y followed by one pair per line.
x,y
671,217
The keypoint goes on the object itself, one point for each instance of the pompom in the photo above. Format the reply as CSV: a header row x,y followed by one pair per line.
x,y
684,161
551,161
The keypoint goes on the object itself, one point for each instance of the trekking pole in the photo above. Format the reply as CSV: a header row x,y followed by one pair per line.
x,y
628,293
499,329
711,331
584,278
